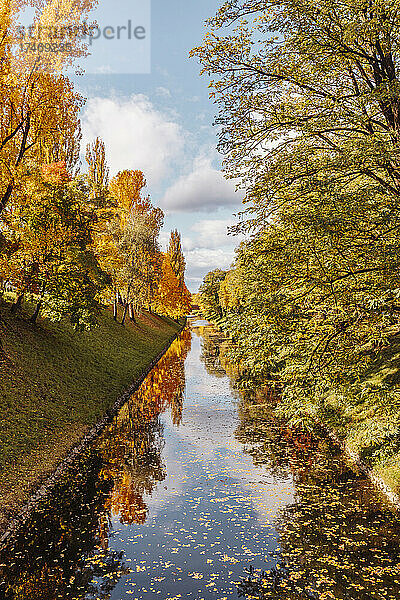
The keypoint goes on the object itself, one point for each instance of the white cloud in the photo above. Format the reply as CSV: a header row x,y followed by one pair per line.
x,y
203,260
200,261
213,233
200,190
208,234
163,92
209,247
136,134
164,239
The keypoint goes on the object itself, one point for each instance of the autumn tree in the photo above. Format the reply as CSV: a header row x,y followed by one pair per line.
x,y
39,110
137,229
53,261
39,123
171,298
99,171
176,257
127,189
106,225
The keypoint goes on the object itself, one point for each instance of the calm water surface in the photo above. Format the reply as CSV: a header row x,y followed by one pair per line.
x,y
190,494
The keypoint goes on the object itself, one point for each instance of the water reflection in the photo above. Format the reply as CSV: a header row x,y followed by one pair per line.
x,y
64,551
47,560
191,486
131,450
338,539
211,347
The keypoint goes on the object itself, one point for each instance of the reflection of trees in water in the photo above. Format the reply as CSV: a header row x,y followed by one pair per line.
x,y
164,387
132,462
216,355
211,340
62,552
132,449
284,452
336,540
333,545
47,559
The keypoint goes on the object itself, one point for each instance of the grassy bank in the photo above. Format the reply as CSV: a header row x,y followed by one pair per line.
x,y
368,423
55,383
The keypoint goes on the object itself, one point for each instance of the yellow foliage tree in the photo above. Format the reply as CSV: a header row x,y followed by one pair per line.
x,y
39,110
231,290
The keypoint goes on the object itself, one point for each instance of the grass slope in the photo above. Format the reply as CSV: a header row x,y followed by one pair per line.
x,y
55,383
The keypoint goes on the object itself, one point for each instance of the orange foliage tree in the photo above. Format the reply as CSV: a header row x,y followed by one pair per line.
x,y
136,230
39,110
172,298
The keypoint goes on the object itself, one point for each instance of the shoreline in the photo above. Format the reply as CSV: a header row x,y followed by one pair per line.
x,y
44,483
377,480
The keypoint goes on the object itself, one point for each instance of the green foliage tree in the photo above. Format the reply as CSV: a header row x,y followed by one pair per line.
x,y
209,295
309,97
308,93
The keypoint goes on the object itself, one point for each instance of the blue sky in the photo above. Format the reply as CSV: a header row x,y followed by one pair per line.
x,y
161,122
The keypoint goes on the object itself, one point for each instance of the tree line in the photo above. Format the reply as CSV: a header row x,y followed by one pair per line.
x,y
308,96
72,241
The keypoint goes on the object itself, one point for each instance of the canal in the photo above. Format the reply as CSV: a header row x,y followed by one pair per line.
x,y
196,491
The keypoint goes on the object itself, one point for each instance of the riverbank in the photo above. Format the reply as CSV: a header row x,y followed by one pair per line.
x,y
56,384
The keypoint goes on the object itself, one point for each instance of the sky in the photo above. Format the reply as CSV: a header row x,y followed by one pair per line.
x,y
158,118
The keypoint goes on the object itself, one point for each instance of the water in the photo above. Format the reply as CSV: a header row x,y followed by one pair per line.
x,y
190,494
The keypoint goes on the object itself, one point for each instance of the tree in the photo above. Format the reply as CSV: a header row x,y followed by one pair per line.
x,y
176,257
136,229
209,295
308,93
39,114
106,220
171,299
309,99
53,260
127,188
99,171
39,123
231,290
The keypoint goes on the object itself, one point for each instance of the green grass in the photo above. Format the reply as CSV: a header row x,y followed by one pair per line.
x,y
55,383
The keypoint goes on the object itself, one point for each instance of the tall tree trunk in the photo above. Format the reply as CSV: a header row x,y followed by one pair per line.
x,y
132,313
35,315
115,310
23,149
119,298
17,305
6,197
125,314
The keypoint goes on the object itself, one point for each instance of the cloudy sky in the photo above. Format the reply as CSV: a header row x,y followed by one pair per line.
x,y
158,118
